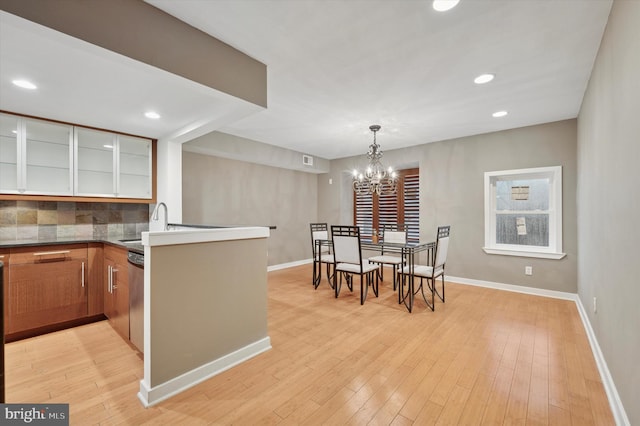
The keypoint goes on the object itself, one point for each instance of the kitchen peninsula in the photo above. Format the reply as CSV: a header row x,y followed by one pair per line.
x,y
205,305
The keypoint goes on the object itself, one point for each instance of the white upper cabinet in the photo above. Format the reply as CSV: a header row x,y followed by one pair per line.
x,y
134,167
49,156
95,163
36,156
8,153
112,165
44,158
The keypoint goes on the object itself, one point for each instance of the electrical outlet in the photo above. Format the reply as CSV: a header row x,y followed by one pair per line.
x,y
528,270
595,305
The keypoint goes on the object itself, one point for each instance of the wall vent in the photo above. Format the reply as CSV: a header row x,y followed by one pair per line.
x,y
307,160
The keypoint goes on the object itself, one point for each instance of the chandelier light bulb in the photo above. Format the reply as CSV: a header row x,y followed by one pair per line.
x,y
376,179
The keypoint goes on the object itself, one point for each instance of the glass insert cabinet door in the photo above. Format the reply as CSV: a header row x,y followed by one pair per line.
x,y
95,163
49,156
36,156
134,171
112,165
8,153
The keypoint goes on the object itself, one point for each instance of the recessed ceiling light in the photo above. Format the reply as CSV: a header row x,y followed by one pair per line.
x,y
444,5
499,114
483,78
15,132
25,84
108,146
152,114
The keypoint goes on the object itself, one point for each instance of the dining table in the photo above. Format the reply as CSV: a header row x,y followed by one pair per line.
x,y
408,252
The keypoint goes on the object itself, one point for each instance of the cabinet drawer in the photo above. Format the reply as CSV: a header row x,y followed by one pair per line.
x,y
42,254
45,293
117,254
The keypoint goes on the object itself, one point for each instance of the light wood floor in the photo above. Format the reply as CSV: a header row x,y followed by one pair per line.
x,y
485,357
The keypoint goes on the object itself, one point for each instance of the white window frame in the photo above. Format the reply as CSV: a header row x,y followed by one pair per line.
x,y
554,250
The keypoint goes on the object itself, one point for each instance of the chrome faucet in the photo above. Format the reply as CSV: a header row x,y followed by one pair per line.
x,y
154,215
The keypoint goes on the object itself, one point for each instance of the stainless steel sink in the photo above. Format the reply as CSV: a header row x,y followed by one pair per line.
x,y
131,241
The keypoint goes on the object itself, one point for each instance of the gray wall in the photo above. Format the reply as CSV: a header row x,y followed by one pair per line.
x,y
219,191
222,294
233,147
452,192
609,200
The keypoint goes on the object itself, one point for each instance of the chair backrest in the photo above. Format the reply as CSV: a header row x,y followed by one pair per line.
x,y
394,233
319,231
346,244
442,245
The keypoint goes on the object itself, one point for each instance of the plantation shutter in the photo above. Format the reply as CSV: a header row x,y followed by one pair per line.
x,y
412,205
388,209
364,215
373,211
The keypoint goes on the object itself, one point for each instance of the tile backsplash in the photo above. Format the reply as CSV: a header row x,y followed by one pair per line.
x,y
28,220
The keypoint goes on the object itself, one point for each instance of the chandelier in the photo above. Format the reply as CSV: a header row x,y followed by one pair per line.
x,y
375,179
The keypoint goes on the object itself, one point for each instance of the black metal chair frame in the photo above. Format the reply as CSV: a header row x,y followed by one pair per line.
x,y
393,227
316,247
443,232
370,274
411,291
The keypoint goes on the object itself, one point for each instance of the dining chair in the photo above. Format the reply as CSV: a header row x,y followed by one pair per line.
x,y
391,234
321,253
347,253
430,272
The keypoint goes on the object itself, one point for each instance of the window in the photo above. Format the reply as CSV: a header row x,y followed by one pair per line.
x,y
373,211
523,212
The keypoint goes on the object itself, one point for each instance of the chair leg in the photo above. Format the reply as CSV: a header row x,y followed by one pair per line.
x,y
430,286
374,283
379,271
402,278
329,274
317,270
336,286
441,297
406,296
395,276
364,288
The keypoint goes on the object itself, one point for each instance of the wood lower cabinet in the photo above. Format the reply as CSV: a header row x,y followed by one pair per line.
x,y
46,286
4,258
116,285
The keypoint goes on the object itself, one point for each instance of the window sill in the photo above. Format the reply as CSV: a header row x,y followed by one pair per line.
x,y
524,253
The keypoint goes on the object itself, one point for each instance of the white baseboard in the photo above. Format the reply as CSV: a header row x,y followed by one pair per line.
x,y
619,413
289,265
515,288
151,396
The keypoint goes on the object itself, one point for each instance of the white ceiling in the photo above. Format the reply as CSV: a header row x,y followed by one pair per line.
x,y
334,67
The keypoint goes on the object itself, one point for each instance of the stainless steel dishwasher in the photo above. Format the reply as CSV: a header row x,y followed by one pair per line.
x,y
136,299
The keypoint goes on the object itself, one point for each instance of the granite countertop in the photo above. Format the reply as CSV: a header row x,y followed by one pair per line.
x,y
116,241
